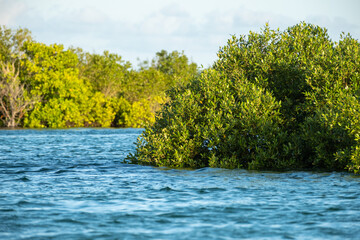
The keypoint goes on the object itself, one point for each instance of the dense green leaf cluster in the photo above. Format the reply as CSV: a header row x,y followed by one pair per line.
x,y
273,100
215,121
59,88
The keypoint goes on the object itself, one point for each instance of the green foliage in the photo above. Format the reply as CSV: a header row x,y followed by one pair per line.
x,y
274,100
332,132
165,71
143,90
134,95
106,73
137,114
175,66
59,88
144,83
11,42
15,99
281,62
99,111
66,100
215,121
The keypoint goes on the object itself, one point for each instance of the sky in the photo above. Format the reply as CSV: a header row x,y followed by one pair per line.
x,y
137,29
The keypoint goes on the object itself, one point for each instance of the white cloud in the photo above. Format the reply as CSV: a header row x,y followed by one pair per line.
x,y
169,20
139,28
10,10
91,15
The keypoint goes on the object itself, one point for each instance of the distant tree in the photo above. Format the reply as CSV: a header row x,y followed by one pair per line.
x,y
11,42
106,73
15,99
144,83
176,65
67,101
48,86
145,88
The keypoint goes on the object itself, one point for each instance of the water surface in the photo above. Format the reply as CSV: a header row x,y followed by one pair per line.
x,y
71,184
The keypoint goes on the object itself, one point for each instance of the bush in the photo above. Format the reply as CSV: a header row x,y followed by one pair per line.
x,y
332,133
215,121
136,114
273,100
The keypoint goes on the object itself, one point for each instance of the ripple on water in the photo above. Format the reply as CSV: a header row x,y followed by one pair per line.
x,y
70,184
23,179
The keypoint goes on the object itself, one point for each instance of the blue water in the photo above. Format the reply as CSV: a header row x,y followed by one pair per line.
x,y
71,184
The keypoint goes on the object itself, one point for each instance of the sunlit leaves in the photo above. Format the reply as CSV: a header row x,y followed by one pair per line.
x,y
297,106
66,100
205,123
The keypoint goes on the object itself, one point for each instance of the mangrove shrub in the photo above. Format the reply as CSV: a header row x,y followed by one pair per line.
x,y
273,100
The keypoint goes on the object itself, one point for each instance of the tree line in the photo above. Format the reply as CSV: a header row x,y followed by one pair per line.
x,y
48,86
274,100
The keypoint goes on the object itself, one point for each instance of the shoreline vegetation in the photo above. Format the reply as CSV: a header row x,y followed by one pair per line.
x,y
273,100
47,86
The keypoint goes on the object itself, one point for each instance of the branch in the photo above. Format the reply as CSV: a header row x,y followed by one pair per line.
x,y
13,102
